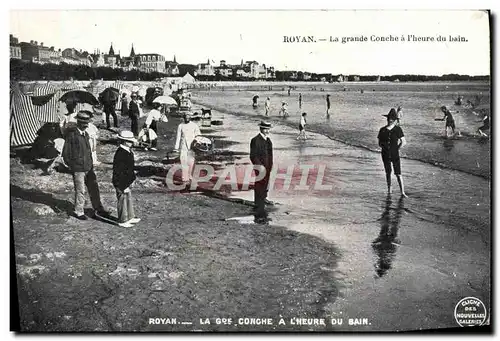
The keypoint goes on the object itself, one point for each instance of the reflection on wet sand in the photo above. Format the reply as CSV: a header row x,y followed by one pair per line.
x,y
385,245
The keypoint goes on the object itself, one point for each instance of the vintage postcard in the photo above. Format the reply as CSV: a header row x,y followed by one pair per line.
x,y
250,170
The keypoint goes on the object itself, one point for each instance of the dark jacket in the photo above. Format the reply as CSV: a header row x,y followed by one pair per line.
x,y
123,169
261,152
133,109
124,107
77,153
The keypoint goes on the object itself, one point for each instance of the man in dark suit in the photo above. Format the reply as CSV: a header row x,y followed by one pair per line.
x,y
261,154
77,155
134,114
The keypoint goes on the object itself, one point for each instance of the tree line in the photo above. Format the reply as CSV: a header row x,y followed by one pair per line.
x,y
26,71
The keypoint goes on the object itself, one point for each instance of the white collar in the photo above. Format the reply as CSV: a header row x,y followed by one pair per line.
x,y
82,132
264,136
126,148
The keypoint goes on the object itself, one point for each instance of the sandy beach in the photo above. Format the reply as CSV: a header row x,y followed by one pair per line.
x,y
325,254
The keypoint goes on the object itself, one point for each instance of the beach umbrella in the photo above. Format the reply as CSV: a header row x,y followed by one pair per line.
x,y
79,96
109,95
165,100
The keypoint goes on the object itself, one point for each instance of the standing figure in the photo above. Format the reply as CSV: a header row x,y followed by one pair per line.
x,y
124,101
109,109
134,113
123,177
261,154
284,109
254,101
399,113
391,139
69,118
186,132
152,119
450,121
300,101
302,127
327,105
268,106
77,156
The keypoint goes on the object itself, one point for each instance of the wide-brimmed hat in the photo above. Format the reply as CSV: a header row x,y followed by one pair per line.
x,y
392,115
265,124
84,116
127,135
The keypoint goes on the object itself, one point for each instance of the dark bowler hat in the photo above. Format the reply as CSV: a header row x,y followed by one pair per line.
x,y
84,116
392,115
264,124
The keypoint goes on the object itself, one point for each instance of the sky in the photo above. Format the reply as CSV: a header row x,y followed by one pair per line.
x,y
196,36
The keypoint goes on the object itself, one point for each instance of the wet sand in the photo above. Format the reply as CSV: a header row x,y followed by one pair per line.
x,y
405,263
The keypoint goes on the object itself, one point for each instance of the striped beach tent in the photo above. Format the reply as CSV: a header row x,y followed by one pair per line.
x,y
26,117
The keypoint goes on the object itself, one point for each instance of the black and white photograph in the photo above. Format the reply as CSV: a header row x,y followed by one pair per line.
x,y
190,170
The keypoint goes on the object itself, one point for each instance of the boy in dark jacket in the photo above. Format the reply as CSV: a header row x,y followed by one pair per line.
x,y
123,177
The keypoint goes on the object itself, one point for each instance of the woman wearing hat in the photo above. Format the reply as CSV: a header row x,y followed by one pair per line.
x,y
123,177
391,139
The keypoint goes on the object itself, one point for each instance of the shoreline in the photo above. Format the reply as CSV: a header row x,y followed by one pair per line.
x,y
357,145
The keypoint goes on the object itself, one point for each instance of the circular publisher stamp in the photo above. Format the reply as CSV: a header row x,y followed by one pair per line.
x,y
470,311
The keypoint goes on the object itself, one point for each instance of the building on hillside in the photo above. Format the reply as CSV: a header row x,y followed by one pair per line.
x,y
224,70
205,69
150,62
341,78
172,68
129,63
75,57
111,59
15,48
97,59
34,52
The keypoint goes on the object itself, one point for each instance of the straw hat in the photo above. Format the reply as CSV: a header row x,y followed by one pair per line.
x,y
127,135
265,124
84,116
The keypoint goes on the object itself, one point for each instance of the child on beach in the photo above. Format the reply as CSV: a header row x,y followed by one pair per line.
x,y
302,127
268,106
284,109
391,139
123,177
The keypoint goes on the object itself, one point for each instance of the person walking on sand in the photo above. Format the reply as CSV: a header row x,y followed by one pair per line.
x,y
77,155
261,154
123,177
186,132
300,101
302,127
327,105
391,139
268,106
399,113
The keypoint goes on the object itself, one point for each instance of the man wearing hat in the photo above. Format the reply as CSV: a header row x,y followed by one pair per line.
x,y
134,113
391,139
123,177
77,155
261,154
186,132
